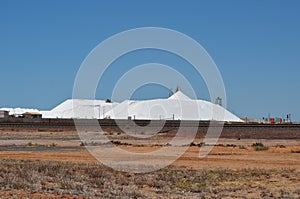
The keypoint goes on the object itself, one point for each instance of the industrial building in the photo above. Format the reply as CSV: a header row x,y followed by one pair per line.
x,y
18,112
4,114
32,115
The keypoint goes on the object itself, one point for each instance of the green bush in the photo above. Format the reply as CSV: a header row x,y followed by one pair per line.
x,y
259,146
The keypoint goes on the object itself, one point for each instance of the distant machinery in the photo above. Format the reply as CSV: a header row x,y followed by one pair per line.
x,y
277,120
289,118
219,101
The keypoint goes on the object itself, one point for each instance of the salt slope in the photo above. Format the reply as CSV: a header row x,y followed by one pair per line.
x,y
80,108
177,107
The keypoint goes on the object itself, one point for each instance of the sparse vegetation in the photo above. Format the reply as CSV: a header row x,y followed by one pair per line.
x,y
52,145
280,146
94,181
29,144
76,175
230,145
259,146
195,144
295,151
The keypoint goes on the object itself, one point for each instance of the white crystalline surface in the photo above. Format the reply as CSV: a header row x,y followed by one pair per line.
x,y
177,107
80,108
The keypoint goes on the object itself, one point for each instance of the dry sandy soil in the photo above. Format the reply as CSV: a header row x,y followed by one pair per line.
x,y
233,169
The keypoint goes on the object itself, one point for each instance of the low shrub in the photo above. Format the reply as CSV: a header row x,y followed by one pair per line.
x,y
230,145
98,181
295,151
280,146
259,147
257,144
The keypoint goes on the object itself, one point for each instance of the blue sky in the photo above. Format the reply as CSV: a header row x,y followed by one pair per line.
x,y
255,45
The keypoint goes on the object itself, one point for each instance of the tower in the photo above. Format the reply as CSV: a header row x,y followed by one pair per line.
x,y
219,101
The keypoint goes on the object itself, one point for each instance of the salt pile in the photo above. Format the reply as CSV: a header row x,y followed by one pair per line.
x,y
177,107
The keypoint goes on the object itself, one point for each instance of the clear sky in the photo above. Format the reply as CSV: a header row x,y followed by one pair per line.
x,y
255,44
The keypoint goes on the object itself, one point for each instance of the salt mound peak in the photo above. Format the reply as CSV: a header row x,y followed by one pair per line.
x,y
179,96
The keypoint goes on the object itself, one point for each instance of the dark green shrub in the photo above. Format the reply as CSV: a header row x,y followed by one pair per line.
x,y
259,146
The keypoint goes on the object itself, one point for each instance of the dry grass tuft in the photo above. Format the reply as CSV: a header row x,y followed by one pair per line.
x,y
94,181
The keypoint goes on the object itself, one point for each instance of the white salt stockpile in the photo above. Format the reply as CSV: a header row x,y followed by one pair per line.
x,y
177,107
80,108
